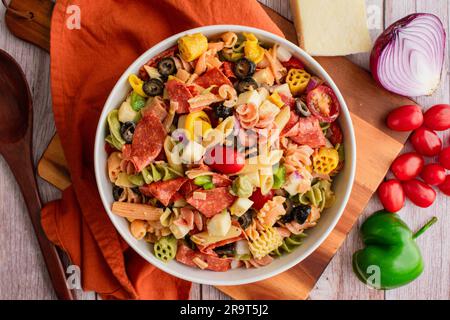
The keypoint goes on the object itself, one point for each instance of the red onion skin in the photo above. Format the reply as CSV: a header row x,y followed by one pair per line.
x,y
385,38
313,83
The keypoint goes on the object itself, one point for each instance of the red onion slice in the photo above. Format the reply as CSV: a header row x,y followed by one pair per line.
x,y
408,57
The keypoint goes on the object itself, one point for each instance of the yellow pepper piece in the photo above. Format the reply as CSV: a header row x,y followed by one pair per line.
x,y
276,99
172,78
326,160
297,80
197,124
250,36
136,84
252,50
192,46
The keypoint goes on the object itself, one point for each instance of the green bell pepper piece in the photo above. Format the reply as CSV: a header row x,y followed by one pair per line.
x,y
391,258
279,177
137,101
208,186
202,180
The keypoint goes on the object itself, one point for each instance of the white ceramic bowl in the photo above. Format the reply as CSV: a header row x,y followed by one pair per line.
x,y
342,184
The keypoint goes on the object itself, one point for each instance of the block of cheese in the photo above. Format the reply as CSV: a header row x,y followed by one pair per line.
x,y
331,27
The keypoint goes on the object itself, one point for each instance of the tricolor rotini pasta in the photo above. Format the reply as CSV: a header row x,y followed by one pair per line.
x,y
220,155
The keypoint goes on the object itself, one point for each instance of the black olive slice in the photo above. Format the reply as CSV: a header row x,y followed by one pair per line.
x,y
127,131
117,192
167,67
136,191
244,68
246,219
301,213
301,108
247,84
226,250
222,112
153,87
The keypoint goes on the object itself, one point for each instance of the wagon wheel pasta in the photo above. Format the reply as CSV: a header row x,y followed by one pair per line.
x,y
209,127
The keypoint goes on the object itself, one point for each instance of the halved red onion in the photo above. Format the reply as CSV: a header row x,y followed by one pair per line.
x,y
408,56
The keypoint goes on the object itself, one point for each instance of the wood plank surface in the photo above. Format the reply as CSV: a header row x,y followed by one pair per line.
x,y
435,281
337,282
22,269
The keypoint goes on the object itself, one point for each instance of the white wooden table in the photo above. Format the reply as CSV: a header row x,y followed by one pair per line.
x,y
22,271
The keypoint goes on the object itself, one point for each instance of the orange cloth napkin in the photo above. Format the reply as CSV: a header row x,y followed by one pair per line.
x,y
85,64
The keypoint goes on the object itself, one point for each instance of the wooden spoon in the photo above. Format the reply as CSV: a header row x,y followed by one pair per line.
x,y
16,127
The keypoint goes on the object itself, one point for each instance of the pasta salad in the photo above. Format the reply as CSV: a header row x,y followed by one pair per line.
x,y
224,152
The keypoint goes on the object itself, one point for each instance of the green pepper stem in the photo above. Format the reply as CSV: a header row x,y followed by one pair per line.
x,y
425,228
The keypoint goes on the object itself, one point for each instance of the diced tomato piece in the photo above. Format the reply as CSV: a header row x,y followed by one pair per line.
x,y
260,199
109,149
293,63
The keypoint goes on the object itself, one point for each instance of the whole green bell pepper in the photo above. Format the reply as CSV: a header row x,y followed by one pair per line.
x,y
391,257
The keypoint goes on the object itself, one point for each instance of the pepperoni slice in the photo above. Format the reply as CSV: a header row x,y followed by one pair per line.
x,y
188,188
220,244
179,92
228,69
290,124
147,142
212,77
186,218
215,201
221,180
309,133
186,256
157,107
194,90
164,191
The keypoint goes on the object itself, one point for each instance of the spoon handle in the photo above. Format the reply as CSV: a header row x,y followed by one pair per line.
x,y
21,166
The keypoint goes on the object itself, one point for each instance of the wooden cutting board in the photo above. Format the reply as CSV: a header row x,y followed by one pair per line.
x,y
377,146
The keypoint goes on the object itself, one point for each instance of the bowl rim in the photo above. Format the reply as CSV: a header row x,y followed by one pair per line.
x,y
100,167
